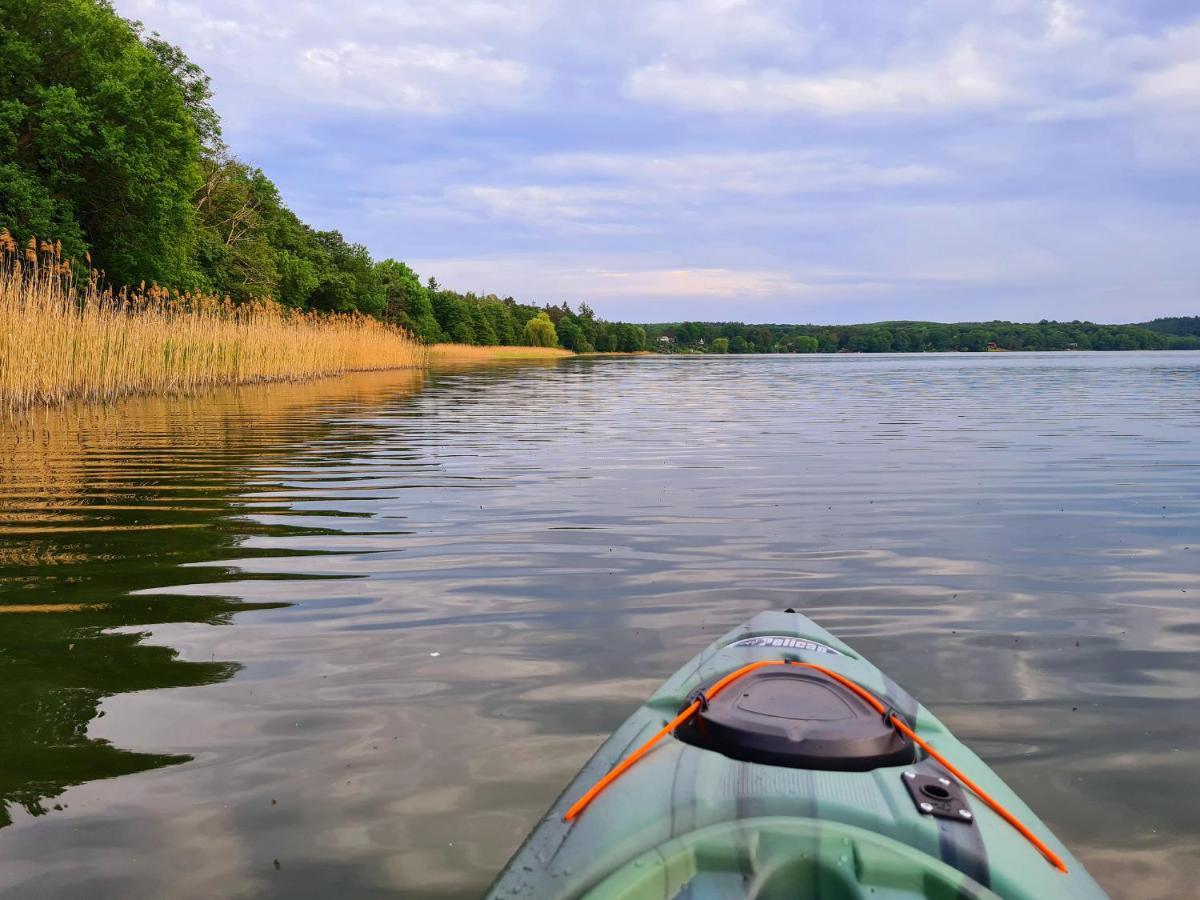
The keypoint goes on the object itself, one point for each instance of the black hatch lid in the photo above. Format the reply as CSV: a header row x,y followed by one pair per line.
x,y
799,718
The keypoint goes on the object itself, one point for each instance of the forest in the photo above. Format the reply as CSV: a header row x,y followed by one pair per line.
x,y
922,337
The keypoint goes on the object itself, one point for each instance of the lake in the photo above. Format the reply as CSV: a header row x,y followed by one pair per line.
x,y
350,638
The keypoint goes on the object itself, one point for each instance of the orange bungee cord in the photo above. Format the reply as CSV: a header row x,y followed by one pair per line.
x,y
899,724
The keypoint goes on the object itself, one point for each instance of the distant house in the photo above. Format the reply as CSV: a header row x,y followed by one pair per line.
x,y
665,339
700,342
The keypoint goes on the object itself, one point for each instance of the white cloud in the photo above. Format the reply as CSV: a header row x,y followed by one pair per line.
x,y
417,79
960,79
550,205
713,28
726,283
552,278
411,57
421,16
1175,83
769,173
631,193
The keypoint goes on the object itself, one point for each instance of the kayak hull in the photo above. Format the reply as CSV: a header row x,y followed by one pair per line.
x,y
691,822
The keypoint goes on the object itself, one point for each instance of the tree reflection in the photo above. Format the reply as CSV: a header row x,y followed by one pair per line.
x,y
98,504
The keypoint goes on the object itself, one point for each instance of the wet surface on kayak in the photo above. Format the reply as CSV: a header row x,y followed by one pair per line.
x,y
351,638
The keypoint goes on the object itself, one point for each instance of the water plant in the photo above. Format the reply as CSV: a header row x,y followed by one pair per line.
x,y
63,337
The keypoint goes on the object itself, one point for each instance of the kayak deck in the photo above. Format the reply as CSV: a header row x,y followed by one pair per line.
x,y
686,821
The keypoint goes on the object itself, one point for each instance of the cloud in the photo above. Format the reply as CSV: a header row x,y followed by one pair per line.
x,y
633,281
706,29
633,194
959,80
417,79
778,159
416,58
1176,84
742,172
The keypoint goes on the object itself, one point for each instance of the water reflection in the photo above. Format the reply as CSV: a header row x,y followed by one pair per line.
x,y
97,505
447,597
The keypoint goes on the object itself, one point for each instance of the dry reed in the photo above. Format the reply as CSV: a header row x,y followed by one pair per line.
x,y
60,340
473,353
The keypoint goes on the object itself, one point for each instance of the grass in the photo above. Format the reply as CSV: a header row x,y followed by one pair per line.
x,y
471,353
63,341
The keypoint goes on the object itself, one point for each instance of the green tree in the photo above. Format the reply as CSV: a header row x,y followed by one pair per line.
x,y
500,317
194,84
540,332
453,316
98,146
630,338
233,251
720,345
407,301
606,341
571,336
806,343
481,325
348,281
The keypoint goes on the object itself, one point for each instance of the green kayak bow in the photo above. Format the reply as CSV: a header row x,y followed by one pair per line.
x,y
781,764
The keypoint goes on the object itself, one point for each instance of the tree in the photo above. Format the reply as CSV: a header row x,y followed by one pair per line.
x,y
194,84
406,301
233,252
630,338
348,281
539,331
98,146
806,343
720,345
453,316
481,325
571,336
500,319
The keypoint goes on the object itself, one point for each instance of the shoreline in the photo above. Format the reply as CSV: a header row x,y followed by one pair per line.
x,y
431,357
455,353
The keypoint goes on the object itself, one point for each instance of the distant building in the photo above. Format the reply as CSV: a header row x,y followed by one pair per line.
x,y
665,339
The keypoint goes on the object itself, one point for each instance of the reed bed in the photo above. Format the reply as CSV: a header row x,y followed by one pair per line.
x,y
473,353
60,340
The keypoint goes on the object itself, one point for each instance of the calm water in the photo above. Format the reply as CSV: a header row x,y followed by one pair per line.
x,y
351,638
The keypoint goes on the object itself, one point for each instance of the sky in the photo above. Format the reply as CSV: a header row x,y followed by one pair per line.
x,y
750,160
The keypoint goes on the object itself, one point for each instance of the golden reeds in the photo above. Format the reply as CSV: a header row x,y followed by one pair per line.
x,y
473,353
61,341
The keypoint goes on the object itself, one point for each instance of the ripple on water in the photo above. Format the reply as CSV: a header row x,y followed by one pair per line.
x,y
353,636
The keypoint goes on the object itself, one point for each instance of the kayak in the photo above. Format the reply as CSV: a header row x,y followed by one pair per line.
x,y
780,763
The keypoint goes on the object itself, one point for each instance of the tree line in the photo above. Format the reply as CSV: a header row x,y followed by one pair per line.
x,y
433,314
920,337
110,144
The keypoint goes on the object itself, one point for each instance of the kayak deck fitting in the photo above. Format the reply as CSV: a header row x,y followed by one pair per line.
x,y
780,763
